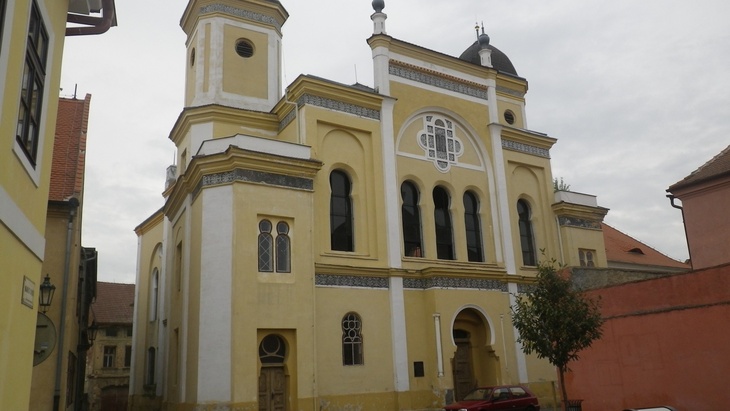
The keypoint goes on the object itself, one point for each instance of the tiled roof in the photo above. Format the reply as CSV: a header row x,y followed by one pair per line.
x,y
114,303
623,248
69,149
718,166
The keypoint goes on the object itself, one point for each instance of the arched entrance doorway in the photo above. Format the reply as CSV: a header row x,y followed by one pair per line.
x,y
474,363
272,380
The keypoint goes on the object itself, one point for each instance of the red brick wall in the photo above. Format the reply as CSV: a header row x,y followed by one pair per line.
x,y
666,342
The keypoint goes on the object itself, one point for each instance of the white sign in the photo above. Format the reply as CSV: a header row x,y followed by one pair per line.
x,y
28,292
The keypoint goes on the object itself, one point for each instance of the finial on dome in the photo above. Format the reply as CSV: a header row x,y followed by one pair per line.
x,y
378,5
482,38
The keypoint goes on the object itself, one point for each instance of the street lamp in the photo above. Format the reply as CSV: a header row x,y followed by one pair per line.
x,y
91,332
46,296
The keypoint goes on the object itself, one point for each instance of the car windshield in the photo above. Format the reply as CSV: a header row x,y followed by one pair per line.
x,y
478,394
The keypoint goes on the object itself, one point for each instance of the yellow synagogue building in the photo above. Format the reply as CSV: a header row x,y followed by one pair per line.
x,y
339,247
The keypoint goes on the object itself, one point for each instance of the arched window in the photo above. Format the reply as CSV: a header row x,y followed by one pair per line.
x,y
341,235
352,339
266,247
527,240
411,216
283,248
150,367
272,350
444,230
154,286
473,227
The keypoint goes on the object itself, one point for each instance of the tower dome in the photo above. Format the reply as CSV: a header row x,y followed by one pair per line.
x,y
500,61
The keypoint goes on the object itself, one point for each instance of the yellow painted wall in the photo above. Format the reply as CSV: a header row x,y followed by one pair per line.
x,y
17,321
252,72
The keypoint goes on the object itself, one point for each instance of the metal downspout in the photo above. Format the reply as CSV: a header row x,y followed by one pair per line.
x,y
671,198
73,205
96,25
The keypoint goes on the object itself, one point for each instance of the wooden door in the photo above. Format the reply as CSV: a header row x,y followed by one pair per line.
x,y
114,398
272,389
463,372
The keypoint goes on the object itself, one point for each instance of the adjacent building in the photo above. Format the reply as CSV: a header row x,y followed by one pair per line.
x,y
32,34
107,371
705,198
341,246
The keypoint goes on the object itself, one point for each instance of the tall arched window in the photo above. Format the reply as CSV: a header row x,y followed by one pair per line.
x,y
411,216
444,229
266,247
283,248
473,227
527,240
150,367
352,339
341,235
154,287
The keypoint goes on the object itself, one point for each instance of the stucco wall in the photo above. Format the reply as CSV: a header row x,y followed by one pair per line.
x,y
665,342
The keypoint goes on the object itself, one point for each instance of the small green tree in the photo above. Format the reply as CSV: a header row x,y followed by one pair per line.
x,y
555,321
560,185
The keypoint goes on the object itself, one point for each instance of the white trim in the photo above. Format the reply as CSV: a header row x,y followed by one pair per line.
x,y
215,93
519,354
398,329
435,89
381,60
439,69
261,145
481,311
183,343
18,223
439,347
390,185
162,340
216,272
35,173
457,165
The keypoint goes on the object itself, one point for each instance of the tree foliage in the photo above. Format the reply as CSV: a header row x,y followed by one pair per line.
x,y
555,321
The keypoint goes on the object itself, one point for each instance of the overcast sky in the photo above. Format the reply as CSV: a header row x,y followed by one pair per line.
x,y
636,92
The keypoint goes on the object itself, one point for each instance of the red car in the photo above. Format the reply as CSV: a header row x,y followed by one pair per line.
x,y
502,397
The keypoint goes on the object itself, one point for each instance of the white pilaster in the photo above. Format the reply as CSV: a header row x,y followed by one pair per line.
x,y
214,355
398,329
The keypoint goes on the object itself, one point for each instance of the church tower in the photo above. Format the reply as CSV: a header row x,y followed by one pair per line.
x,y
233,53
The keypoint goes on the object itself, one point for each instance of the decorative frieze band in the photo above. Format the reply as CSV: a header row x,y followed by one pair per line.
x,y
347,281
450,282
409,73
566,221
331,104
246,14
525,148
350,281
505,90
254,177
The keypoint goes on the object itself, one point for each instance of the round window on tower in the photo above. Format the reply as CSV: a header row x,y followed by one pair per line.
x,y
192,57
244,48
509,117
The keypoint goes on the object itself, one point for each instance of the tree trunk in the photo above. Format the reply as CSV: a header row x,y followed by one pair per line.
x,y
563,390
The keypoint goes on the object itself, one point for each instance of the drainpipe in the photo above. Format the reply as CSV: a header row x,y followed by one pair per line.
x,y
671,198
96,25
73,205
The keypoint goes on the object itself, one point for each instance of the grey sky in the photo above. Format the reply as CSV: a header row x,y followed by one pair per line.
x,y
636,92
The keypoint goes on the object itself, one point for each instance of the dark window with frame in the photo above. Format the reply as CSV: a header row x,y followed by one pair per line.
x,y
341,224
473,227
527,240
411,216
150,369
33,83
586,257
283,248
110,354
266,247
352,340
2,22
444,229
128,356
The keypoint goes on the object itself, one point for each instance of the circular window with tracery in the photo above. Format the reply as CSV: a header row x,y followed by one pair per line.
x,y
244,48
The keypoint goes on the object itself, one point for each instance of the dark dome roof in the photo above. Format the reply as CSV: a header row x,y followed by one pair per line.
x,y
500,61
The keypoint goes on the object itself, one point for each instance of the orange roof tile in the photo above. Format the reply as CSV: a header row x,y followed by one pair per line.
x,y
623,248
114,303
69,149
